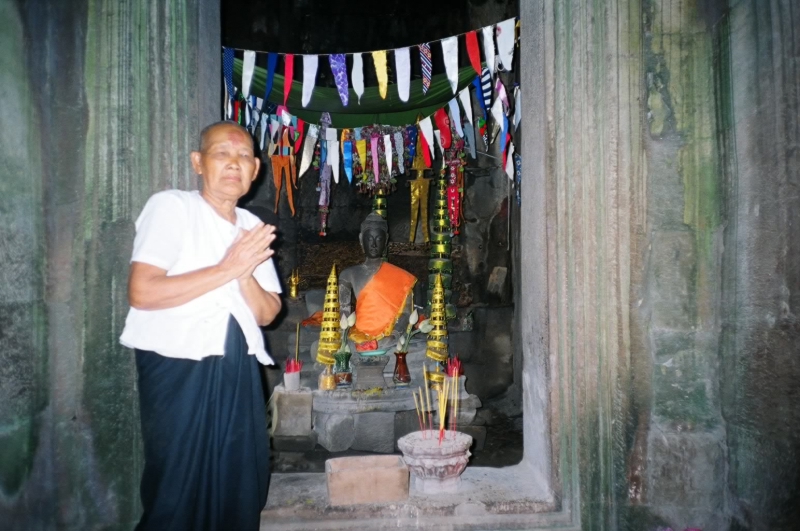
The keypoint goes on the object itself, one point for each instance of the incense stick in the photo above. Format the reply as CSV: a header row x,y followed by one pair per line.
x,y
297,343
419,417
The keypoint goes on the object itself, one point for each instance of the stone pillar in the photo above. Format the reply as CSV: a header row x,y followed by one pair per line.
x,y
109,100
759,361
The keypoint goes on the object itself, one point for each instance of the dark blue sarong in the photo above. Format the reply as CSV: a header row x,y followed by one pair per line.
x,y
205,440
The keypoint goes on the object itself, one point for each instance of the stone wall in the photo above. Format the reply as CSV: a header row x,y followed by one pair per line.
x,y
102,105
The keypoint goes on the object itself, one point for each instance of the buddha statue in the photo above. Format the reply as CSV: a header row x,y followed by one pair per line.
x,y
379,292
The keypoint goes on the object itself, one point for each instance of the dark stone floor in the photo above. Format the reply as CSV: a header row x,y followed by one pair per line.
x,y
503,447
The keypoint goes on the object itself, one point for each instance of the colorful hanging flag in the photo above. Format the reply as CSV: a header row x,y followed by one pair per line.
x,y
500,90
399,149
379,58
333,158
310,63
518,176
488,47
248,63
361,148
509,162
387,152
466,102
469,140
479,94
227,71
339,69
438,135
357,75
426,60
426,128
443,123
272,62
402,62
486,88
450,52
505,43
264,120
308,148
517,107
288,76
473,51
347,157
455,117
411,138
375,162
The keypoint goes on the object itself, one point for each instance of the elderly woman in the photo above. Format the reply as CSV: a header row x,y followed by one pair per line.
x,y
202,281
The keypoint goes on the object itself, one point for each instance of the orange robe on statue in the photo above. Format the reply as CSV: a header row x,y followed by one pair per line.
x,y
381,302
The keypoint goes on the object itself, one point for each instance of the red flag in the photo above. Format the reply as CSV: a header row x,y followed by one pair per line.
x,y
288,74
473,51
443,124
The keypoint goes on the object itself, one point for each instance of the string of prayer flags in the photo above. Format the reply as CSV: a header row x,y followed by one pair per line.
x,y
426,128
473,51
402,61
379,58
310,63
450,53
455,117
357,75
272,62
248,63
466,102
505,42
488,47
288,74
339,70
426,60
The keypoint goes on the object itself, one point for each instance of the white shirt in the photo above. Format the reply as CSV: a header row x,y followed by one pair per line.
x,y
180,232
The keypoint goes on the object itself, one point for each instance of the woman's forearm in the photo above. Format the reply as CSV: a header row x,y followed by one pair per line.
x,y
149,287
265,305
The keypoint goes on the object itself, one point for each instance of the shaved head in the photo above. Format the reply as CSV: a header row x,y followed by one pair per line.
x,y
206,132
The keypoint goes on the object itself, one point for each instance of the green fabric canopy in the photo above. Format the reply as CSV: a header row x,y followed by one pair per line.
x,y
372,110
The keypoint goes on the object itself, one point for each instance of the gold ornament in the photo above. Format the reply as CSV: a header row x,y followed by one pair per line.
x,y
294,282
437,338
331,335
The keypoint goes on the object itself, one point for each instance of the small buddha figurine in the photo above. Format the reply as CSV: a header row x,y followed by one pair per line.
x,y
379,292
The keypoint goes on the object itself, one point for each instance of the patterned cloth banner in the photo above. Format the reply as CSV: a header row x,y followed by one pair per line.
x,y
426,59
375,162
227,71
339,69
399,148
402,61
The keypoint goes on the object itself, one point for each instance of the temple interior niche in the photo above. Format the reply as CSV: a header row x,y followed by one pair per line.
x,y
480,330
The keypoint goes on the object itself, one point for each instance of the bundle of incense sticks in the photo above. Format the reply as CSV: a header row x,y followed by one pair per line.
x,y
447,396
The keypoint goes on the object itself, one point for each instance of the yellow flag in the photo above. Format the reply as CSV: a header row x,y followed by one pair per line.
x,y
379,58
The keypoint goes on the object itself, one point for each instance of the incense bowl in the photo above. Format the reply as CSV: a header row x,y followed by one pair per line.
x,y
436,466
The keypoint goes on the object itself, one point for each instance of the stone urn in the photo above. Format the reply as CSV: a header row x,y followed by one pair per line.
x,y
436,467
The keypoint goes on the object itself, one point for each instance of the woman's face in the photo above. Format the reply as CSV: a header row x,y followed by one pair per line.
x,y
227,163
